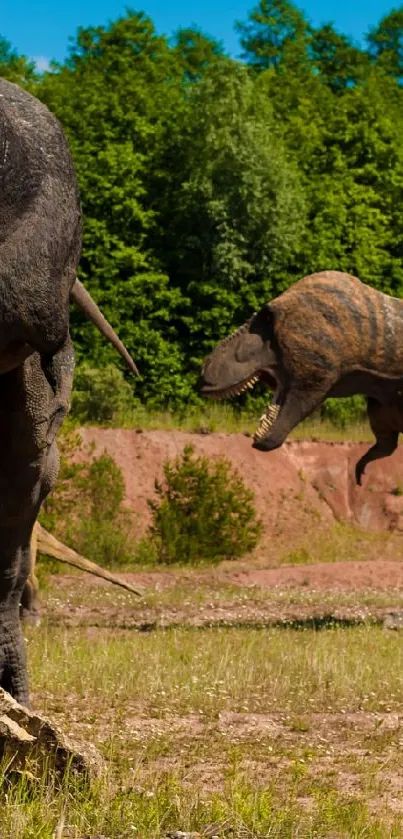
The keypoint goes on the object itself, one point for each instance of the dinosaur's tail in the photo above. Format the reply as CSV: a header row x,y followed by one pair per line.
x,y
48,544
84,300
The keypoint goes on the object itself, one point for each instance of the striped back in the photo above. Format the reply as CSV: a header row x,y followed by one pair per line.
x,y
332,322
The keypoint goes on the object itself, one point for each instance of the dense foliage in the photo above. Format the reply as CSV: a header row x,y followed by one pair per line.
x,y
86,508
209,185
203,512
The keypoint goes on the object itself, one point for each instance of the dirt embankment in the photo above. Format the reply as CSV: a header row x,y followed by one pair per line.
x,y
309,565
297,487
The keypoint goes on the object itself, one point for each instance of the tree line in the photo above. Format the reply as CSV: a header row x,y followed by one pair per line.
x,y
210,184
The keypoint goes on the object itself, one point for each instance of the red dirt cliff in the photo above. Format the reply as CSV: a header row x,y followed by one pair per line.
x,y
296,487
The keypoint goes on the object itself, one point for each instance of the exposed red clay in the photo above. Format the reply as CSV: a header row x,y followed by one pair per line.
x,y
382,575
292,485
300,491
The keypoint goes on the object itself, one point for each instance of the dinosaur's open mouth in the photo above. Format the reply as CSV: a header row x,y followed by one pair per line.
x,y
272,411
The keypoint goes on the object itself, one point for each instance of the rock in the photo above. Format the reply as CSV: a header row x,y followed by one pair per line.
x,y
393,620
31,742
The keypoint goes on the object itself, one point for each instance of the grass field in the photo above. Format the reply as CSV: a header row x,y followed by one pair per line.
x,y
222,417
229,732
230,717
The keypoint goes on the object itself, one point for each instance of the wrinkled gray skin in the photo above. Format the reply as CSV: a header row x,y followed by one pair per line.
x,y
40,242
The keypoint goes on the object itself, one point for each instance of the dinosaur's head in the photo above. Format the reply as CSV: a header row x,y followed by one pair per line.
x,y
247,356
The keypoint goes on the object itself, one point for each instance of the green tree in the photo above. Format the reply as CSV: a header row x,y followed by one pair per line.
x,y
234,214
86,508
203,511
354,183
195,52
276,30
208,186
340,63
346,139
100,395
385,43
277,36
109,96
14,67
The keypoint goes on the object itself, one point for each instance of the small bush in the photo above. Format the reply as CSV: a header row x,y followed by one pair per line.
x,y
203,512
100,395
103,531
64,502
344,412
85,509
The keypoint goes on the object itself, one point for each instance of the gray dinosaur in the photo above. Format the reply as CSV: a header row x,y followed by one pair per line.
x,y
40,243
327,335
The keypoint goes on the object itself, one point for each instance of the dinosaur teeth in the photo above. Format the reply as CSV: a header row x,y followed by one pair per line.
x,y
266,421
248,385
235,390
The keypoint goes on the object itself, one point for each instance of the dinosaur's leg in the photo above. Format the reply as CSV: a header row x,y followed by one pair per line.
x,y
385,446
386,436
29,416
21,467
58,370
29,599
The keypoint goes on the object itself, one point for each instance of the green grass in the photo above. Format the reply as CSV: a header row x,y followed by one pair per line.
x,y
231,733
337,542
240,733
241,811
186,671
179,595
224,418
236,733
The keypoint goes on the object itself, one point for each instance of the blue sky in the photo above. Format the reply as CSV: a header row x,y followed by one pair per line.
x,y
41,28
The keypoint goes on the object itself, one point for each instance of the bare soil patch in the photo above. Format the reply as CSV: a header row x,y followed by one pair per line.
x,y
316,595
352,753
297,487
377,574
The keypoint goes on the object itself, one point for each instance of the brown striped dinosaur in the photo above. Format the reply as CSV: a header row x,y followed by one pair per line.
x,y
327,335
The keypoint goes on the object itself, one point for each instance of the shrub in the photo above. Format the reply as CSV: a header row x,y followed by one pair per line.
x,y
344,412
103,531
85,509
100,395
64,502
203,512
